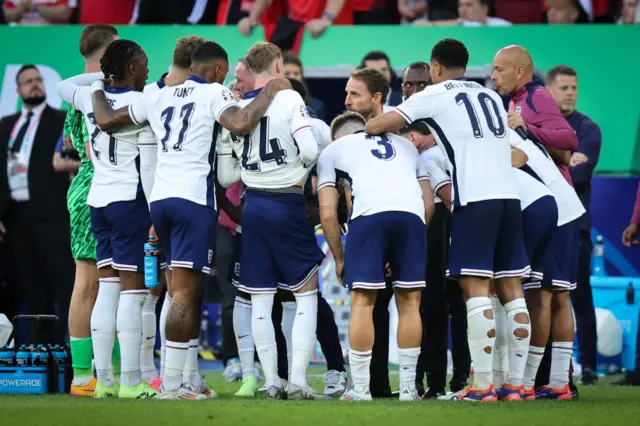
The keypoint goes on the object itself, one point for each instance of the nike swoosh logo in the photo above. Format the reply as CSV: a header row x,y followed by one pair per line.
x,y
152,337
242,337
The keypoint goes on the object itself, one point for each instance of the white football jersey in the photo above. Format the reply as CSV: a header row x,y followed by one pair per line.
x,y
321,132
269,155
470,125
541,165
435,163
530,189
185,120
383,173
115,157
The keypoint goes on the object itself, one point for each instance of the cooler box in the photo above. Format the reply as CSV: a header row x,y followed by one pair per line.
x,y
611,293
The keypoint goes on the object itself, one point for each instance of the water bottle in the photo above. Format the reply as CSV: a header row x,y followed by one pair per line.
x,y
22,356
43,356
151,264
597,266
7,356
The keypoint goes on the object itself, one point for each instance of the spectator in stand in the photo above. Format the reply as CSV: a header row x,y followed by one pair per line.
x,y
564,12
293,69
472,13
114,12
411,10
629,13
172,12
284,23
562,84
379,61
371,12
38,12
33,205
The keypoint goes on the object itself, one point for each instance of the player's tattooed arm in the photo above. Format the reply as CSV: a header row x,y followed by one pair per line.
x,y
389,122
328,198
108,119
243,121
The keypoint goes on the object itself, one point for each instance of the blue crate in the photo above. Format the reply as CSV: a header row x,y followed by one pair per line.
x,y
24,380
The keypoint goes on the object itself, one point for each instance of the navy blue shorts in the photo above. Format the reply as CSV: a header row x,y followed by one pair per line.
x,y
539,221
279,245
121,229
233,275
399,238
187,232
487,241
561,267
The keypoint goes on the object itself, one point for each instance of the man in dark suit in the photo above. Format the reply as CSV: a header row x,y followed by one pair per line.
x,y
33,205
379,61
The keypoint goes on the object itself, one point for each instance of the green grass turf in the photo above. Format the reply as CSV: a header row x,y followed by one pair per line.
x,y
598,405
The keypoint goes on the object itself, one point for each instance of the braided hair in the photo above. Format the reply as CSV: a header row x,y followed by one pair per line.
x,y
117,57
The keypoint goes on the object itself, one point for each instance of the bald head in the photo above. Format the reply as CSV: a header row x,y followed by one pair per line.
x,y
512,69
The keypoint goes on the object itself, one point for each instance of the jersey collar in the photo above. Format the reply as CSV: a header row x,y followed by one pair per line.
x,y
359,131
117,89
197,79
161,82
252,94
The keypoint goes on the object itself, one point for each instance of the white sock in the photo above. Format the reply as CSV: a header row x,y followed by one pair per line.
x,y
288,316
244,336
129,320
303,336
500,360
560,363
166,305
103,328
190,373
174,366
518,347
534,358
359,364
265,338
147,366
408,359
480,344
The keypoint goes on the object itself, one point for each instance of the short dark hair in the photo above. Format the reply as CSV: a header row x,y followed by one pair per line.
x,y
23,69
418,66
95,37
117,57
375,81
299,87
450,53
375,55
207,51
554,72
291,58
184,49
344,118
418,126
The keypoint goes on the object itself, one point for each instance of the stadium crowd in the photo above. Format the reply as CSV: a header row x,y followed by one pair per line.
x,y
369,93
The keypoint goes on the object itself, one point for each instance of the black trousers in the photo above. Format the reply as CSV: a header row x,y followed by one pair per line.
x,y
442,302
223,256
582,301
43,266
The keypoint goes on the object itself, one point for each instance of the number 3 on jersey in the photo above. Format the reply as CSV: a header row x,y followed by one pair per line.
x,y
494,122
186,112
386,150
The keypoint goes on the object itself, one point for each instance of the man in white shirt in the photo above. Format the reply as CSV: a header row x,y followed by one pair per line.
x,y
278,239
387,224
470,126
548,295
186,118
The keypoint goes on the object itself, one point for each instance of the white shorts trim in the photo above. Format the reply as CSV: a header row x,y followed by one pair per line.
x,y
368,286
104,263
522,273
122,267
257,290
409,284
304,280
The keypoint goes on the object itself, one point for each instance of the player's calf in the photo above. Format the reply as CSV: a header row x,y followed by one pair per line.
x,y
409,339
539,306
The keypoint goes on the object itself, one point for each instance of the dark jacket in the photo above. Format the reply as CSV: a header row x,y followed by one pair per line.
x,y
47,188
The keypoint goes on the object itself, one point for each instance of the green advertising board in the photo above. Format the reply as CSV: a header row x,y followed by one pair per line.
x,y
604,56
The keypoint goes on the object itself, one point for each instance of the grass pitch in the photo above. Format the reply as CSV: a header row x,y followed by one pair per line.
x,y
599,405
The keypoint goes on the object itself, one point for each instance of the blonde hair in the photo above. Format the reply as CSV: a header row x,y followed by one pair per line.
x,y
261,55
345,118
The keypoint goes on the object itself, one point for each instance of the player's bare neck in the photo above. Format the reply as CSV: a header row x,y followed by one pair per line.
x,y
92,66
176,76
262,80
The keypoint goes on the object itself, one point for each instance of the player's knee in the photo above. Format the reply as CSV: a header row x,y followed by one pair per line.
x,y
363,298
